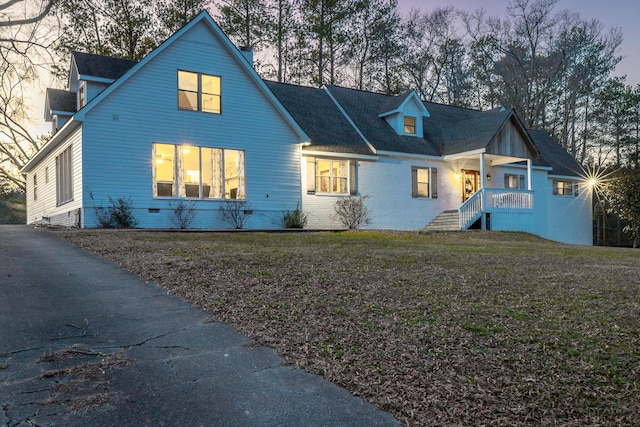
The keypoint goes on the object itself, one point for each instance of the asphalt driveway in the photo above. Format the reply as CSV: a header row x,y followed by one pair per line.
x,y
85,343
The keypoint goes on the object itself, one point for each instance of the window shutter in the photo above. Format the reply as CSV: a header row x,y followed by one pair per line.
x,y
353,177
434,183
506,180
521,182
311,175
414,182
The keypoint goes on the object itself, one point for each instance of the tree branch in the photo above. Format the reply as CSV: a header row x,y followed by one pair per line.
x,y
9,23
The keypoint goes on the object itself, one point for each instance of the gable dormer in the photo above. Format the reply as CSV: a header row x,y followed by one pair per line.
x,y
404,113
90,74
60,105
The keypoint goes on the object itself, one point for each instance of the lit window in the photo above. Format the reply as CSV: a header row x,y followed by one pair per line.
x,y
199,92
410,125
197,172
514,181
164,170
424,182
332,176
564,188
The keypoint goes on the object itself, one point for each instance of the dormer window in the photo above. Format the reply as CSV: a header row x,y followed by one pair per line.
x,y
410,125
199,92
81,97
405,114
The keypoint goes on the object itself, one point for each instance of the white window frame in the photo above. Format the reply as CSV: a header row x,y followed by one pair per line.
x,y
415,125
312,177
520,179
569,188
199,92
432,182
332,177
240,193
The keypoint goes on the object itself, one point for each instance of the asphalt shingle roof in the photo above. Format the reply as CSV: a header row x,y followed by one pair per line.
x,y
457,130
101,66
320,118
448,130
363,108
61,100
554,155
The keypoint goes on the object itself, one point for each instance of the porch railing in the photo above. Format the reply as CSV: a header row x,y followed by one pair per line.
x,y
494,200
507,199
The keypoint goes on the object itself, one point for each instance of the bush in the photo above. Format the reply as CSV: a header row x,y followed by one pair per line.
x,y
183,213
235,212
119,213
352,212
294,219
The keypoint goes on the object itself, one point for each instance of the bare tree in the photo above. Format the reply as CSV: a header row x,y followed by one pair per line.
x,y
23,52
429,39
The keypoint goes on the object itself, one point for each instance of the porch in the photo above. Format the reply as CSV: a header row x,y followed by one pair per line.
x,y
497,209
511,206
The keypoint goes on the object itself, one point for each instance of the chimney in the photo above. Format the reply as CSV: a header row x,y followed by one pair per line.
x,y
247,52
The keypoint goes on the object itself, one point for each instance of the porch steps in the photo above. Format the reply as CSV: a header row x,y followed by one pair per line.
x,y
446,221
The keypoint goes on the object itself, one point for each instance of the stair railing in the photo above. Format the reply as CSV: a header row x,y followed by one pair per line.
x,y
471,209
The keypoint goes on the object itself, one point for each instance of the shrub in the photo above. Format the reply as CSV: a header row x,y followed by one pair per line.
x,y
183,213
294,219
352,212
119,213
235,212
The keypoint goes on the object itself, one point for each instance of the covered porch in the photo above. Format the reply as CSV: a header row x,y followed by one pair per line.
x,y
498,205
481,201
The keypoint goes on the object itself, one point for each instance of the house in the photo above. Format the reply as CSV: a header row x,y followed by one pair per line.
x,y
192,121
421,162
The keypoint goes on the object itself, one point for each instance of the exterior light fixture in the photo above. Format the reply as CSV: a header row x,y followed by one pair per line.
x,y
488,177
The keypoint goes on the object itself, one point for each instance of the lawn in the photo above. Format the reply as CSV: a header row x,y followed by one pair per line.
x,y
454,328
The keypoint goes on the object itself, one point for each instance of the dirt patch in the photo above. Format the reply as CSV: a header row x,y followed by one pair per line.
x,y
83,385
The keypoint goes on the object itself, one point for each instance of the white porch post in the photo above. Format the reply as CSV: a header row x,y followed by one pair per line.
x,y
482,170
483,218
529,174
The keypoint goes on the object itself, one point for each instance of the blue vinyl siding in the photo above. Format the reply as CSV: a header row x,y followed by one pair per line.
x,y
119,131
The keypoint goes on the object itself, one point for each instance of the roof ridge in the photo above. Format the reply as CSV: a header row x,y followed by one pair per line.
x,y
74,52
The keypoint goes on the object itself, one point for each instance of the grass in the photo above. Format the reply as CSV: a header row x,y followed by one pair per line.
x,y
453,328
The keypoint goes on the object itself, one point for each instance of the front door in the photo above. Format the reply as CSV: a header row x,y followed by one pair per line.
x,y
470,183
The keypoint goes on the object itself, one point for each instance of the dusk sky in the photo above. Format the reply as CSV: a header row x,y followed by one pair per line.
x,y
612,13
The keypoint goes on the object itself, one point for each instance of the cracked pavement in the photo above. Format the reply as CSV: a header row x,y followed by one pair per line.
x,y
85,343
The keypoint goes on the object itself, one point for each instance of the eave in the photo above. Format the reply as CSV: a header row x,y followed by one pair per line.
x,y
59,136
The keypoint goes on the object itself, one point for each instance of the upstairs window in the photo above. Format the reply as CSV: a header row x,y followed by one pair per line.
x,y
199,92
410,125
81,96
